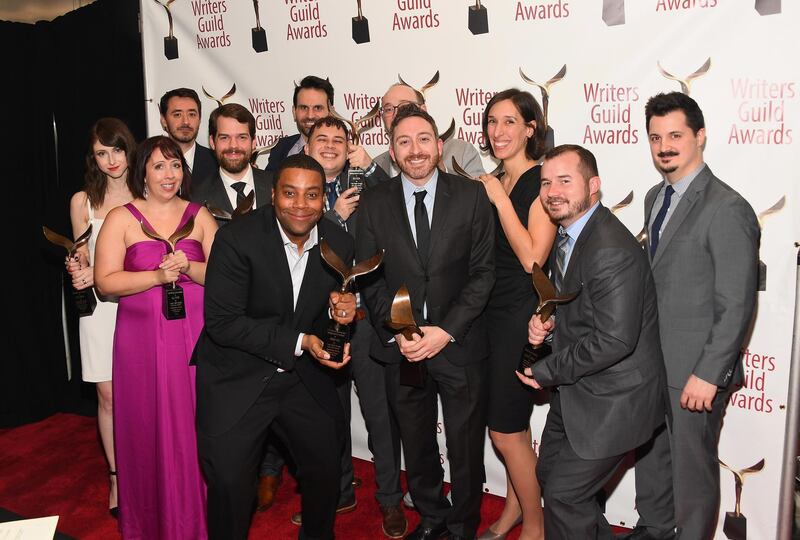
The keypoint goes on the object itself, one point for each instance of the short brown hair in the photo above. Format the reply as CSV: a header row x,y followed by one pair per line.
x,y
235,111
411,110
587,164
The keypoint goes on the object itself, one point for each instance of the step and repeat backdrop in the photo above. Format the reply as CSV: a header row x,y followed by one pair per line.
x,y
594,63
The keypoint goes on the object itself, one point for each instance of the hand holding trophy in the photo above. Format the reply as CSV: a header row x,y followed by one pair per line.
x,y
174,305
85,300
355,175
401,321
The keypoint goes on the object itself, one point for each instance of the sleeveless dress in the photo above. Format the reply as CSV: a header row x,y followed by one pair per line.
x,y
162,494
511,305
96,331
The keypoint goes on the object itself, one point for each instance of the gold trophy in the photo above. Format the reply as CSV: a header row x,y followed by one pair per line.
x,y
735,525
242,208
261,150
174,305
686,84
762,267
421,92
258,33
170,42
85,301
360,27
356,175
478,19
548,300
623,203
545,89
221,100
459,170
338,334
401,321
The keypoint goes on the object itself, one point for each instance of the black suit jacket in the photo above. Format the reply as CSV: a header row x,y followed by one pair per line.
x,y
460,271
606,357
205,165
280,151
251,327
213,192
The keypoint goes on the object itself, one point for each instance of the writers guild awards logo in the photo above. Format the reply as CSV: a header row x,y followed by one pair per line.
x,y
170,42
768,7
221,100
478,19
614,12
550,136
686,84
259,35
360,26
762,267
421,92
735,526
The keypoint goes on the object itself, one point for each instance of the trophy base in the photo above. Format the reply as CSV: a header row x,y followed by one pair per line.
x,y
355,179
768,7
735,527
174,305
478,20
614,12
171,47
259,39
85,301
531,355
413,373
335,339
360,30
762,276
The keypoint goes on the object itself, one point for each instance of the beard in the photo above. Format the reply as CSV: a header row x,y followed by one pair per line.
x,y
183,135
418,171
667,169
234,162
568,210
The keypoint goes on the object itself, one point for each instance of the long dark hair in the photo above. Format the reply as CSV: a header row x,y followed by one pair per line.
x,y
109,132
529,110
170,150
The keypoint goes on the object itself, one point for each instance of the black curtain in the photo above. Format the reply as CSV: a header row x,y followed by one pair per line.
x,y
59,77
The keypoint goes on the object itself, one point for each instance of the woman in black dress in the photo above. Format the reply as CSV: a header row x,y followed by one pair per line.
x,y
514,132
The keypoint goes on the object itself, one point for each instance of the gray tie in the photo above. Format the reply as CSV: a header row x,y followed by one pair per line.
x,y
561,258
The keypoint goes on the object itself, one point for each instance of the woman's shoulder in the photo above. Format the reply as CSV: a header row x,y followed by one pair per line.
x,y
78,201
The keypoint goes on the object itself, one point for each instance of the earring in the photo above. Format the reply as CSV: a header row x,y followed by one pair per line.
x,y
145,191
180,190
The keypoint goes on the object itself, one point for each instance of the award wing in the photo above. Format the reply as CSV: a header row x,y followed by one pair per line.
x,y
218,213
401,318
333,260
57,239
623,203
183,232
245,206
367,266
449,131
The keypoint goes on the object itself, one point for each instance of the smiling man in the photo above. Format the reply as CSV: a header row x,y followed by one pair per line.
x,y
260,361
180,118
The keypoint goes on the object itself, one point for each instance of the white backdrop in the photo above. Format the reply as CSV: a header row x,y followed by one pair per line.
x,y
611,50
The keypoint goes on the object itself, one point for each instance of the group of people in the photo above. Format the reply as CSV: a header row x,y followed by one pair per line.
x,y
207,408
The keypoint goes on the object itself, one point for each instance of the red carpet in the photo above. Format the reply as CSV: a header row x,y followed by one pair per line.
x,y
56,467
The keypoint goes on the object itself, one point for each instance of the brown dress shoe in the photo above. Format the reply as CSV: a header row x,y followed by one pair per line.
x,y
395,524
267,488
297,517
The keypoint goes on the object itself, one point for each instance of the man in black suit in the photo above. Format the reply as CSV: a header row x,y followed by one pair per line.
x,y
438,233
312,99
180,118
259,360
606,369
231,134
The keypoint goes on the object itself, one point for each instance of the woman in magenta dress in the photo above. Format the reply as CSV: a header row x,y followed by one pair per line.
x,y
161,490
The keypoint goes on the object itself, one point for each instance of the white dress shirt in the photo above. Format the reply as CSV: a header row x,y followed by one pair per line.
x,y
228,182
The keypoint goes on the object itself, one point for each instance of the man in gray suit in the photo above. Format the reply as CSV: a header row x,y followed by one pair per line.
x,y
231,134
703,246
606,369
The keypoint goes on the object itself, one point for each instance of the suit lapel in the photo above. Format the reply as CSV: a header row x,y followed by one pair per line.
x,y
282,275
311,279
583,239
262,186
685,206
397,206
441,212
649,202
219,195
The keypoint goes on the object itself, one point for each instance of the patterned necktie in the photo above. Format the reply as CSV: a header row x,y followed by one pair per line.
x,y
422,226
330,192
239,188
662,213
561,258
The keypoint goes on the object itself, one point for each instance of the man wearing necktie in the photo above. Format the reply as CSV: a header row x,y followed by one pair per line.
x,y
703,249
605,371
437,231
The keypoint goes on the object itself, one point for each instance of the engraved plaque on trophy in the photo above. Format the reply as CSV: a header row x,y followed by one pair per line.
x,y
478,18
686,84
85,300
242,208
356,175
360,27
735,525
170,42
338,334
259,35
174,305
545,89
548,300
401,321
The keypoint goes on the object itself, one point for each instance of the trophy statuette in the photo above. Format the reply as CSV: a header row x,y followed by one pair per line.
x,y
85,301
242,208
360,27
401,321
735,525
259,35
356,176
478,19
174,305
170,42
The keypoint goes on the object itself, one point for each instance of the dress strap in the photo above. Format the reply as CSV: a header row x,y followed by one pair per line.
x,y
89,208
135,211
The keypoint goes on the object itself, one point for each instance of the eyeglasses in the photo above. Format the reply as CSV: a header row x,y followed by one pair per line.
x,y
391,109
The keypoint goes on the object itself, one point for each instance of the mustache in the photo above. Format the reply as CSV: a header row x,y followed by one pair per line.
x,y
417,156
667,154
551,200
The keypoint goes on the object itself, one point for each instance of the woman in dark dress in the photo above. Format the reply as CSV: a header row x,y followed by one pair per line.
x,y
514,130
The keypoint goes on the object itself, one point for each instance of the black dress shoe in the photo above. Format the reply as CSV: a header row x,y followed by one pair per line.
x,y
642,533
428,533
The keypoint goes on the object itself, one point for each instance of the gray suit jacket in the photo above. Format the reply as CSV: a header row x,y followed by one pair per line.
x,y
606,357
466,155
706,271
213,192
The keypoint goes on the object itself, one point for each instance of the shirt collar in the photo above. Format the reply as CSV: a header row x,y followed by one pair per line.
x,y
188,156
247,178
574,230
682,185
313,238
409,188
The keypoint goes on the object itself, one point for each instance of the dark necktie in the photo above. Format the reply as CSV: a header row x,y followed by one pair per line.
x,y
330,191
239,188
561,258
422,226
662,213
